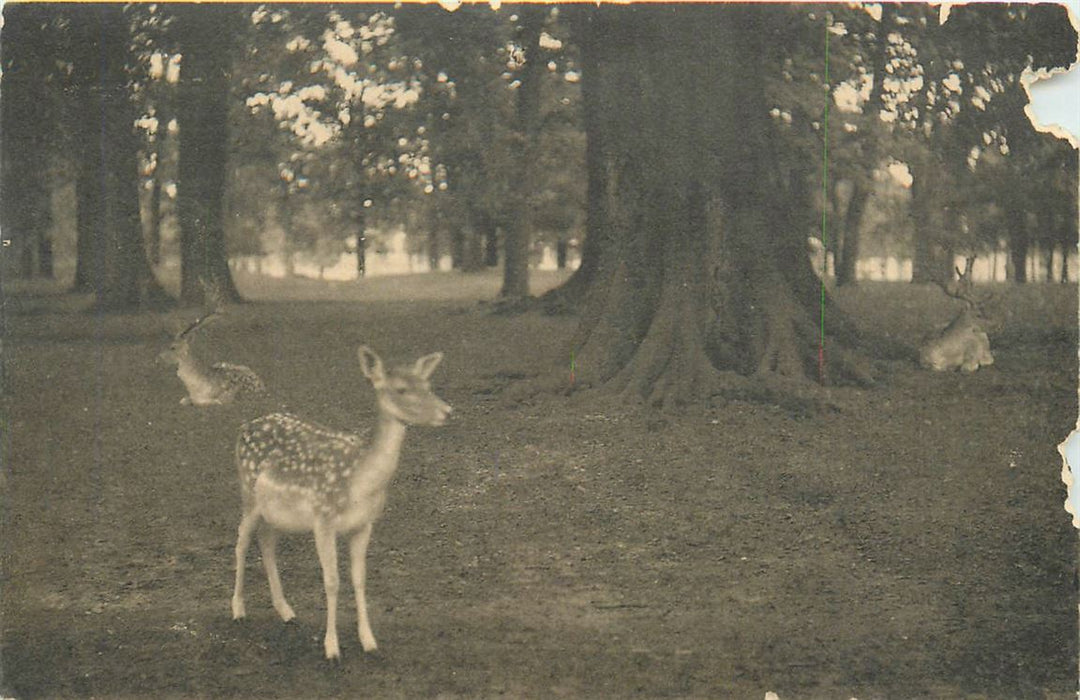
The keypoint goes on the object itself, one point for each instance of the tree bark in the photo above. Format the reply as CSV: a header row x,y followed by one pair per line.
x,y
29,128
490,232
849,253
113,262
1018,244
600,196
202,113
847,258
518,230
164,116
361,239
473,242
434,250
705,281
153,233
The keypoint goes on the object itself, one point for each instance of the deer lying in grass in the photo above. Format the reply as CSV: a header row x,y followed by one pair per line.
x,y
296,476
219,383
963,344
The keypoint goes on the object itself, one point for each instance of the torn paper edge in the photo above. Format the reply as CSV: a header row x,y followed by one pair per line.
x,y
1069,449
1029,78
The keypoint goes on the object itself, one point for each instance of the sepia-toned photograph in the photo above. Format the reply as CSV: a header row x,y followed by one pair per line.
x,y
583,350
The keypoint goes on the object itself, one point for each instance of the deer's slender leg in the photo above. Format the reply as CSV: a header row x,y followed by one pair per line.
x,y
357,555
326,546
268,538
243,539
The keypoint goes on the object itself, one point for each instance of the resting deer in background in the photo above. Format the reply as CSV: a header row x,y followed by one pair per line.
x,y
219,383
296,476
963,344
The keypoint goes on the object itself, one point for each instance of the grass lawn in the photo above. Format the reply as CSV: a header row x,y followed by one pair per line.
x,y
910,544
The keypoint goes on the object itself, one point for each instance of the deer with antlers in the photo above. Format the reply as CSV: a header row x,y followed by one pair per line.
x,y
963,344
207,384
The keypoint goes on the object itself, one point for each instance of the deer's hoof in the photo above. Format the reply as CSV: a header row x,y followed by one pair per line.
x,y
286,613
333,653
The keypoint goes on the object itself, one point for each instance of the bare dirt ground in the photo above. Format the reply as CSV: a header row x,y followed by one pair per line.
x,y
910,544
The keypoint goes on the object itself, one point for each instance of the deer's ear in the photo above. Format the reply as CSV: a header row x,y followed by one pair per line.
x,y
427,364
370,364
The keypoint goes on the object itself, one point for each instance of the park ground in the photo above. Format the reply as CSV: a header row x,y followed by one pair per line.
x,y
908,542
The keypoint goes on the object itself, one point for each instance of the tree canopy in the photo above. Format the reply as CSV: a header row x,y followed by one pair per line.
x,y
634,131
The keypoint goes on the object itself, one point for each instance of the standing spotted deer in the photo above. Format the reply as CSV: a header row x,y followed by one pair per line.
x,y
299,477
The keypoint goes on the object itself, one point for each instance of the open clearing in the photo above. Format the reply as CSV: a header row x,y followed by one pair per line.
x,y
910,544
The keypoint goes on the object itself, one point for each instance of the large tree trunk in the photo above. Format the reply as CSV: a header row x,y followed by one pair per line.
x,y
88,205
28,129
518,229
705,280
600,195
202,113
110,231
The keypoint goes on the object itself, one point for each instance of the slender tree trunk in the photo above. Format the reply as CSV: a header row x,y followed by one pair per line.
x,y
457,247
561,248
153,233
848,260
164,116
472,250
1018,244
45,256
434,252
518,230
361,239
849,253
490,233
205,278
